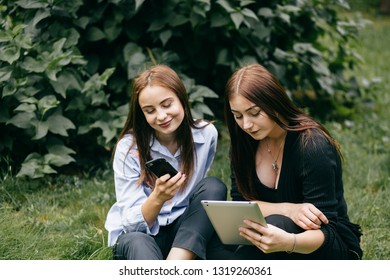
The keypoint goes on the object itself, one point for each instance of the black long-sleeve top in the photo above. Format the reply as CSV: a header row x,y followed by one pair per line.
x,y
310,174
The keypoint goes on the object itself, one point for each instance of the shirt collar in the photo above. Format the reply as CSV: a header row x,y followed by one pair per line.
x,y
197,135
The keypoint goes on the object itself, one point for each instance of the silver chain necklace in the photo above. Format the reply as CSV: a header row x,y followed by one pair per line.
x,y
275,165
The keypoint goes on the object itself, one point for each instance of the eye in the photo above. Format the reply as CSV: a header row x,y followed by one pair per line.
x,y
256,113
166,104
237,116
149,111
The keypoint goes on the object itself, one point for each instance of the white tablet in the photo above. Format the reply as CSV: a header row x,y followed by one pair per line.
x,y
228,216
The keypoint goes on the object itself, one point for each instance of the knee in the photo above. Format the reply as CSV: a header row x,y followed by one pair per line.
x,y
133,240
136,246
214,188
284,223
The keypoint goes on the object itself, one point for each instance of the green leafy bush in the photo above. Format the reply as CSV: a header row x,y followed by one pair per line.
x,y
66,66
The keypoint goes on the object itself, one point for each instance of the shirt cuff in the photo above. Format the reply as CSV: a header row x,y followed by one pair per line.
x,y
134,221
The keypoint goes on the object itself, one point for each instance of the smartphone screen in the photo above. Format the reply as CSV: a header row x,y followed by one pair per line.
x,y
160,167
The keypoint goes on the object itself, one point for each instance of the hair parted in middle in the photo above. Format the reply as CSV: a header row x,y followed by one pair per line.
x,y
136,124
255,83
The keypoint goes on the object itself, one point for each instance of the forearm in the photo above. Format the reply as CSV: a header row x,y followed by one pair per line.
x,y
268,208
304,215
150,210
305,242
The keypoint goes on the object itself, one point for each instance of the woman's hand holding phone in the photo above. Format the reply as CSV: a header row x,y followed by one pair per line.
x,y
166,187
169,180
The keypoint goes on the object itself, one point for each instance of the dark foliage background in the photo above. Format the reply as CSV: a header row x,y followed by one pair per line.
x,y
66,66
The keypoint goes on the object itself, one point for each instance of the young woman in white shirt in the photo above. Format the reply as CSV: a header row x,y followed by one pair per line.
x,y
162,218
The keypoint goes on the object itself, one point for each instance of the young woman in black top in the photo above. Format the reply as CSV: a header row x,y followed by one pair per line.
x,y
290,164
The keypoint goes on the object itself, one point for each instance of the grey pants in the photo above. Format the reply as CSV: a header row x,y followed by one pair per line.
x,y
192,230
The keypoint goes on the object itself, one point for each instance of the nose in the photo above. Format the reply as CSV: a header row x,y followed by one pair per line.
x,y
247,124
161,115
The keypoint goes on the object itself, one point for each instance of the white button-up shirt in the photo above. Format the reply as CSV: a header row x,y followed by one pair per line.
x,y
125,215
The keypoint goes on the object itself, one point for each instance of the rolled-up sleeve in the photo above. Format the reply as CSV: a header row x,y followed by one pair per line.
x,y
129,195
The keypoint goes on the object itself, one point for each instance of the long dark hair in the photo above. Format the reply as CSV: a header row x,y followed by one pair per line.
x,y
259,86
136,124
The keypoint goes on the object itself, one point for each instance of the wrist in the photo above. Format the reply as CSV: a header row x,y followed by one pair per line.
x,y
287,209
156,200
294,244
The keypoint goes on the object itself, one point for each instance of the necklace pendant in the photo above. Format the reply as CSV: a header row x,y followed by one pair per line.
x,y
275,166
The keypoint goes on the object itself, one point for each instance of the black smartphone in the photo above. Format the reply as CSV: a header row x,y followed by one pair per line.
x,y
160,167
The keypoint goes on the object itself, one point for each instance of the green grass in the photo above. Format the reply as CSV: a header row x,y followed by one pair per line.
x,y
62,217
366,143
59,218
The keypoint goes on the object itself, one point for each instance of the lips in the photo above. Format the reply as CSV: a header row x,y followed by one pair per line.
x,y
255,134
166,124
252,132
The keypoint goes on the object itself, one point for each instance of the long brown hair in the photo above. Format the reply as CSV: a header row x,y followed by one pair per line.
x,y
259,86
136,124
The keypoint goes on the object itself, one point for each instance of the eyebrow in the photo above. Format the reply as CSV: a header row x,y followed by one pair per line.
x,y
250,108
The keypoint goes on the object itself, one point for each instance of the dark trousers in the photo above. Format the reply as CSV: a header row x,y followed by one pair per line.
x,y
192,230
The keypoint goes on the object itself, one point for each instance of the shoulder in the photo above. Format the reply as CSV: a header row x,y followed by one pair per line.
x,y
314,145
205,129
126,140
126,144
313,139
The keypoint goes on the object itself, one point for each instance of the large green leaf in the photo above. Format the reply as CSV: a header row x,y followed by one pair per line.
x,y
95,34
22,120
200,109
46,103
237,18
5,73
25,107
66,81
58,149
218,20
23,42
109,132
177,20
249,13
34,167
32,65
202,91
138,4
9,53
96,82
112,29
140,58
266,12
39,16
32,4
5,36
58,160
226,5
58,124
9,89
99,98
41,129
134,65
